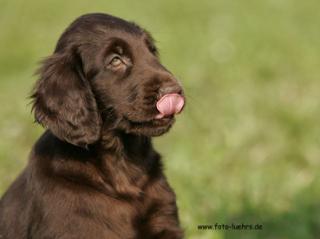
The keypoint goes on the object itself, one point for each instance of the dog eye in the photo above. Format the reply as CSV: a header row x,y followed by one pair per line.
x,y
116,61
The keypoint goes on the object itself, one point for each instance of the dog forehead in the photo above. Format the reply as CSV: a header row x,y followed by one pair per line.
x,y
96,27
126,40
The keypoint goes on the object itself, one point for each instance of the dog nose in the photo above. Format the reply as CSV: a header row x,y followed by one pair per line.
x,y
174,89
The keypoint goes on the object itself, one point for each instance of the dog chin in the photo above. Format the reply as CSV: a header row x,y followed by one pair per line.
x,y
151,128
157,131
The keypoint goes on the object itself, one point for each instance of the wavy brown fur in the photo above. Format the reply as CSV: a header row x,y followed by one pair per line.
x,y
94,172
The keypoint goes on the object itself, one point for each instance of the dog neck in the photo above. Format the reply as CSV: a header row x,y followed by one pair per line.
x,y
128,161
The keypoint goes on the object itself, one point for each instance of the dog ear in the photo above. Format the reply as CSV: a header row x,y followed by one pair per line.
x,y
63,100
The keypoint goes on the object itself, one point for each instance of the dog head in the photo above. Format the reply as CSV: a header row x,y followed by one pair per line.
x,y
105,71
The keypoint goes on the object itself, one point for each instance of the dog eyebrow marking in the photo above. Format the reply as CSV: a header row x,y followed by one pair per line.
x,y
119,46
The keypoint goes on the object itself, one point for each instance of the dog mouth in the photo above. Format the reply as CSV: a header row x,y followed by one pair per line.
x,y
159,119
149,127
163,112
153,122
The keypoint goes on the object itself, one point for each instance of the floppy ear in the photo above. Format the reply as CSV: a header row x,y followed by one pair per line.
x,y
63,101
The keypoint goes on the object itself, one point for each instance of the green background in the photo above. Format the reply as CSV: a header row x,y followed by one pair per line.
x,y
246,149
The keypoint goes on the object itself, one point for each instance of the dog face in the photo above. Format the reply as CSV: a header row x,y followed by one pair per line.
x,y
105,71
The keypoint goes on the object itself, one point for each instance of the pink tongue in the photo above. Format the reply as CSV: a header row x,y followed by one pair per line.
x,y
169,104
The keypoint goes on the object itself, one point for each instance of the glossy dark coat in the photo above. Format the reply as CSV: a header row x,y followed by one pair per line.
x,y
94,172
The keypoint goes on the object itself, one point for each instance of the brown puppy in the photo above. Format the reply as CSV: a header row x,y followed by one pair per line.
x,y
102,95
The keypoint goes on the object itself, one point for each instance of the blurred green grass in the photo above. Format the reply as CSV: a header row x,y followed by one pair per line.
x,y
246,149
